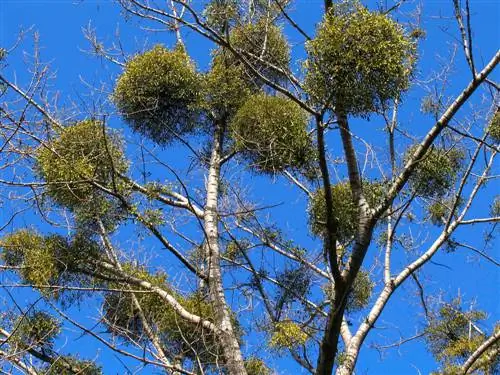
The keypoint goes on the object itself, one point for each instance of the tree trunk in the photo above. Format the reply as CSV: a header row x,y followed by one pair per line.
x,y
329,344
230,346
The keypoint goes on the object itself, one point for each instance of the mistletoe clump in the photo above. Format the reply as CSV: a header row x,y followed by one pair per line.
x,y
221,13
123,318
226,89
67,365
159,94
80,160
271,132
358,60
256,366
286,335
440,210
452,336
360,294
345,210
263,46
36,329
436,172
48,260
495,206
494,127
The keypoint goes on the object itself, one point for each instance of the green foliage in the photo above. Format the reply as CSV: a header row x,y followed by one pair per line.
x,y
221,13
123,319
36,329
438,212
345,210
155,189
448,329
452,337
340,358
30,250
287,334
358,60
436,172
226,88
430,105
50,260
271,132
159,94
82,154
234,248
448,370
256,366
66,365
361,292
494,127
153,216
263,45
495,207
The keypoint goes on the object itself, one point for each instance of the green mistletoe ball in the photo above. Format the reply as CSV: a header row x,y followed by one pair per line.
x,y
159,94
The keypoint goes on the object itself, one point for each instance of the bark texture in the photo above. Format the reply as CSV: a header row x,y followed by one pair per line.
x,y
230,346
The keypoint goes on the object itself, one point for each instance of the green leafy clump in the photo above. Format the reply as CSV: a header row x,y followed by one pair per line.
x,y
159,94
271,132
287,334
123,318
66,365
453,335
436,172
153,217
361,292
431,105
256,366
226,89
495,207
121,314
438,212
221,13
81,156
263,45
345,210
49,260
36,329
358,60
234,249
494,127
155,189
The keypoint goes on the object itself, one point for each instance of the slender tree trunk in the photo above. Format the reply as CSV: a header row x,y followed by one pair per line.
x,y
329,344
343,284
230,346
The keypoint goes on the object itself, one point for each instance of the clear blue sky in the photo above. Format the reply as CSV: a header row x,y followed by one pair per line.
x,y
60,23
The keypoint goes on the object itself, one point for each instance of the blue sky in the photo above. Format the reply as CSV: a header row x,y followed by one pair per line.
x,y
59,24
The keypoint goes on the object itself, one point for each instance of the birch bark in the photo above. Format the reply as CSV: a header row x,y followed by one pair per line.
x,y
230,346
